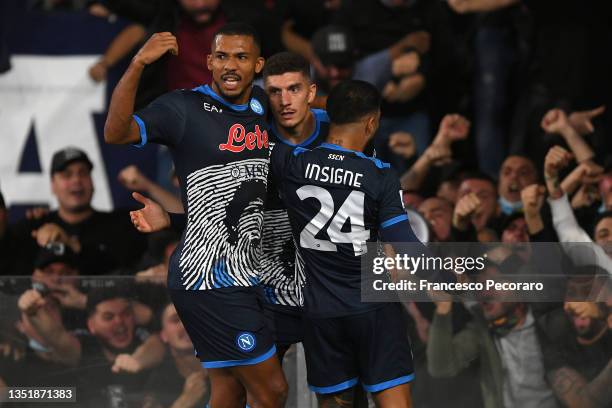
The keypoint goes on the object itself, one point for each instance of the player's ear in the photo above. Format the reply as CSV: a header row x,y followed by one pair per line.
x,y
259,64
372,122
209,62
312,92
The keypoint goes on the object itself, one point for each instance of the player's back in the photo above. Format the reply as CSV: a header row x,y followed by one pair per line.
x,y
337,200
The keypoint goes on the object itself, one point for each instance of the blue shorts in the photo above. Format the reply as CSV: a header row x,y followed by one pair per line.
x,y
227,326
370,348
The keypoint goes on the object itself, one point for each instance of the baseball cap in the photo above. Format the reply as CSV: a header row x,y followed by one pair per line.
x,y
334,45
62,158
55,252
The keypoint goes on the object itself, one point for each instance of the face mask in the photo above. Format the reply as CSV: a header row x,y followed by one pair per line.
x,y
36,346
509,207
504,325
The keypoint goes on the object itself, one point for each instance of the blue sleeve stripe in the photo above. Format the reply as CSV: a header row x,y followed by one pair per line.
x,y
143,131
334,388
388,384
394,220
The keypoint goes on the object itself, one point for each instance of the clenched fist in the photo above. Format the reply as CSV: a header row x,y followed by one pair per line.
x,y
30,302
133,179
156,47
532,197
465,208
555,121
126,363
453,127
556,159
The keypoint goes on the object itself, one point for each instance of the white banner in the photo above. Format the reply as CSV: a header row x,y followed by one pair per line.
x,y
55,95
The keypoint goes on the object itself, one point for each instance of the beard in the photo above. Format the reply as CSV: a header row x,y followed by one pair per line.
x,y
203,16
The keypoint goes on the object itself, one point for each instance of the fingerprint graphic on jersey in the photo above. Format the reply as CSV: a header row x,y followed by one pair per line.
x,y
222,245
280,279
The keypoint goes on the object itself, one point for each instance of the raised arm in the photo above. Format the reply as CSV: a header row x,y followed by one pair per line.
x,y
556,121
66,348
453,127
120,126
133,179
121,46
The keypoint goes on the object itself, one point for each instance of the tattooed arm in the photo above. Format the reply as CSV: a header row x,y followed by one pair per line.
x,y
575,392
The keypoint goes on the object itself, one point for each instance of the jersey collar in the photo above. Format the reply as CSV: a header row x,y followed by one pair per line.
x,y
304,143
207,90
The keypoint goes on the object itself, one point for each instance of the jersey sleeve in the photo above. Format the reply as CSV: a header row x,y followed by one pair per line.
x,y
163,121
279,159
391,206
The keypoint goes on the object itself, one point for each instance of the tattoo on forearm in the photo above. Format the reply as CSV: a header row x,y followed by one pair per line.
x,y
574,390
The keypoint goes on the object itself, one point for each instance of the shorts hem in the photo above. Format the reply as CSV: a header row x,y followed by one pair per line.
x,y
334,388
388,384
233,363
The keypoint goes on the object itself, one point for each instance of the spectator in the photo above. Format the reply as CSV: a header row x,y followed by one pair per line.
x,y
335,48
445,221
102,241
180,380
393,39
42,361
495,41
139,11
300,20
605,191
487,216
452,128
577,345
514,229
564,221
115,356
516,173
439,214
57,276
502,337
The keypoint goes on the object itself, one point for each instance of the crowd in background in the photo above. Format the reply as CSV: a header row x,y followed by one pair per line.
x,y
496,117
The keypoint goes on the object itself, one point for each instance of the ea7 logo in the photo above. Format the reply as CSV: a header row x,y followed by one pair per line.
x,y
238,138
212,108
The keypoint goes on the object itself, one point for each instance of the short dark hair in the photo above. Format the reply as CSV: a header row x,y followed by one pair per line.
x,y
2,203
99,295
351,100
239,29
477,175
284,62
600,217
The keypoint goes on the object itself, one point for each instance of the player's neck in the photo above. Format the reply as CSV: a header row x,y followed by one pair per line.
x,y
241,99
301,131
350,136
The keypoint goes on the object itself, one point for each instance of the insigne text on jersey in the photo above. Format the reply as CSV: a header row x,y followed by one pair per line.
x,y
335,175
238,139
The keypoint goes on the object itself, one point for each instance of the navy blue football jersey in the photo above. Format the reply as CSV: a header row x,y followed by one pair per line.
x,y
221,156
337,200
282,275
